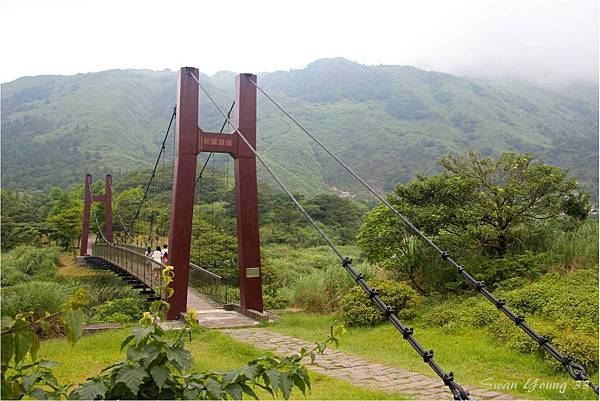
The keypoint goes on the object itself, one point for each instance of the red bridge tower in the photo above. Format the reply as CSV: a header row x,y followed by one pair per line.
x,y
190,140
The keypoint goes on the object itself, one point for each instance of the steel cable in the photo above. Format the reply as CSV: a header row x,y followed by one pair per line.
x,y
162,148
407,333
575,370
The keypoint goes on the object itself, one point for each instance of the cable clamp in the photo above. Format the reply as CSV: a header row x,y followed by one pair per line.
x,y
373,293
389,311
500,303
519,319
460,268
359,277
427,356
408,332
480,284
346,261
445,255
543,340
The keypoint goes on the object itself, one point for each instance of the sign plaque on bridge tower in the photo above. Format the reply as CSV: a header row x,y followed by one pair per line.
x,y
190,140
88,199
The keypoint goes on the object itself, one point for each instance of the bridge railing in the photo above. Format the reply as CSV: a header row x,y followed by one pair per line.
x,y
147,270
215,287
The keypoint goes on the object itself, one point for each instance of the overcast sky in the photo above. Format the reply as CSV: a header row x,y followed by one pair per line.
x,y
543,41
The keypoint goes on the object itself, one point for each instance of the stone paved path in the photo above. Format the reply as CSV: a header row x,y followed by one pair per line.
x,y
214,317
358,371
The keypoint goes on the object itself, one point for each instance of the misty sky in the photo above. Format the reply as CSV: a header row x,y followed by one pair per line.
x,y
543,41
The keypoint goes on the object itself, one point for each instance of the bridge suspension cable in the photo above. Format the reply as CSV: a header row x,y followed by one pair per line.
x,y
116,209
407,332
575,370
162,149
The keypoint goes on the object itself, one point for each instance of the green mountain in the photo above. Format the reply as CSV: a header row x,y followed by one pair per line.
x,y
387,122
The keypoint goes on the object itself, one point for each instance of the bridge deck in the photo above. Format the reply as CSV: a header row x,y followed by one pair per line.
x,y
147,271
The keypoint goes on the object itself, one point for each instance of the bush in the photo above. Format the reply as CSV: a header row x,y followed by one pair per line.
x,y
103,287
121,310
275,302
578,344
31,260
13,276
321,290
358,310
35,296
473,312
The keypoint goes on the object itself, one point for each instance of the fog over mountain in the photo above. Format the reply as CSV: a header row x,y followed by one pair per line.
x,y
550,43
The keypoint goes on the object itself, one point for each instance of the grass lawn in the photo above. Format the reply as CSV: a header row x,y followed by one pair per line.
x,y
211,350
471,354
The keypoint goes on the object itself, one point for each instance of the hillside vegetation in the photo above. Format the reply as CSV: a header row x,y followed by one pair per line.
x,y
387,121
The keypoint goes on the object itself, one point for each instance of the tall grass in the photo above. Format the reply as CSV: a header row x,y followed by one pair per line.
x,y
577,248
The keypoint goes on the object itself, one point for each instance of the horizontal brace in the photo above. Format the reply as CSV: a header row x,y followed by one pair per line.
x,y
98,198
217,143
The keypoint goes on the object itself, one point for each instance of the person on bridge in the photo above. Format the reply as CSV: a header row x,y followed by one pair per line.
x,y
165,250
148,252
157,255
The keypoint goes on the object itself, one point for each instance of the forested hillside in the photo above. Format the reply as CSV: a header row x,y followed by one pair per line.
x,y
387,121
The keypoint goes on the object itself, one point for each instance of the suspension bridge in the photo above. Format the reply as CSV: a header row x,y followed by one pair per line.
x,y
127,258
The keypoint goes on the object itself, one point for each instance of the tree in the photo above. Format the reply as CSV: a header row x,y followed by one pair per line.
x,y
476,200
66,226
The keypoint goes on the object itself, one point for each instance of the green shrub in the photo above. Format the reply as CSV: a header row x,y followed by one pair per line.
x,y
275,302
103,287
580,345
358,310
13,276
119,310
32,260
321,290
35,296
473,312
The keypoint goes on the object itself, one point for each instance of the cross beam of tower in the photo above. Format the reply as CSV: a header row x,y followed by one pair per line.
x,y
88,198
190,140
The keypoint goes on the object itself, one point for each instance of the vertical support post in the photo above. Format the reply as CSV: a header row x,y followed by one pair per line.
x,y
182,195
247,197
108,232
87,204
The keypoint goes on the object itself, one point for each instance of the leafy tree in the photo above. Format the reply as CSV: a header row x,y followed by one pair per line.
x,y
66,226
483,200
213,250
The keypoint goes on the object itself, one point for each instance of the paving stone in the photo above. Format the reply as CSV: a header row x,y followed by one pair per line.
x,y
358,371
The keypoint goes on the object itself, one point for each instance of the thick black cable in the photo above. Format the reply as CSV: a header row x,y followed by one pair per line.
x,y
407,333
575,370
162,148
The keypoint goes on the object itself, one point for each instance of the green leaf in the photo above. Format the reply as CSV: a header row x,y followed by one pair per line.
x,y
160,373
132,377
235,390
248,390
141,332
180,357
8,348
49,364
215,389
250,371
299,382
89,391
126,341
274,376
39,393
229,377
75,319
23,342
